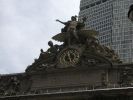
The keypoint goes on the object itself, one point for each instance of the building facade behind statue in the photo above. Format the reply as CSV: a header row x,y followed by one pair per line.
x,y
109,17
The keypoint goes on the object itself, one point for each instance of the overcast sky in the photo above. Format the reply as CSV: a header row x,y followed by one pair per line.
x,y
26,26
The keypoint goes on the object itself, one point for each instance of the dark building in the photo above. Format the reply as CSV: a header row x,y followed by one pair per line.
x,y
79,69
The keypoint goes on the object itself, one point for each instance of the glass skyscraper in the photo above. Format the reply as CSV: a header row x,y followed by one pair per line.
x,y
109,18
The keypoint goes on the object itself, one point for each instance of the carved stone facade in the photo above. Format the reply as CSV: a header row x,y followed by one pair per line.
x,y
80,69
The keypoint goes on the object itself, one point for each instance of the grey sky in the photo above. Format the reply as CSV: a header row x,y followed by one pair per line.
x,y
26,26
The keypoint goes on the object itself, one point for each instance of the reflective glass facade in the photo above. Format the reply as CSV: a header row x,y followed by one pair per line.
x,y
109,18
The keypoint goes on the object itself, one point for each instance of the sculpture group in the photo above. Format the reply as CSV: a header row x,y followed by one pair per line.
x,y
70,31
80,47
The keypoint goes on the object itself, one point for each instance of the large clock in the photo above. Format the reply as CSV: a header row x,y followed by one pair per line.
x,y
68,57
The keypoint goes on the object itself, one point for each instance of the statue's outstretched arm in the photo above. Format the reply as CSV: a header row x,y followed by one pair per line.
x,y
61,22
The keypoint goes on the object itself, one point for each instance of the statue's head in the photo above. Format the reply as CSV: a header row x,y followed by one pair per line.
x,y
41,50
50,43
73,18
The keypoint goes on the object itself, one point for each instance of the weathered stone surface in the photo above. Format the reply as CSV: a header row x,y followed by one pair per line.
x,y
80,68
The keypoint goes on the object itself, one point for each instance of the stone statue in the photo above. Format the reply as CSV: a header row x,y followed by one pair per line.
x,y
69,25
42,51
53,48
81,25
70,29
42,54
66,25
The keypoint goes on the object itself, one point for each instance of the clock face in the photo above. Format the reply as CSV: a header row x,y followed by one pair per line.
x,y
69,57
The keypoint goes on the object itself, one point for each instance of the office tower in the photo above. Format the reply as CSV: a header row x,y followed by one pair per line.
x,y
109,18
